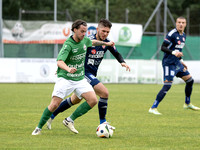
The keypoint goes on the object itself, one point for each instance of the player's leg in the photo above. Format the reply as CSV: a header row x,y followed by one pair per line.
x,y
55,102
90,102
62,89
188,87
102,92
185,75
167,85
169,73
64,105
85,90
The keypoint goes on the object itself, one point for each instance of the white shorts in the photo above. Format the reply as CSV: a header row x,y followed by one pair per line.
x,y
64,88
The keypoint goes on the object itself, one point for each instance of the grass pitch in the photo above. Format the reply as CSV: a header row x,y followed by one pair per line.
x,y
177,129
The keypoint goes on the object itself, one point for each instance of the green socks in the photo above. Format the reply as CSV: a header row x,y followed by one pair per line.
x,y
45,116
81,110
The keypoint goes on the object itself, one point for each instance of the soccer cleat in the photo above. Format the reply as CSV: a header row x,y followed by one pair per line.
x,y
37,131
190,106
154,111
70,126
49,123
113,128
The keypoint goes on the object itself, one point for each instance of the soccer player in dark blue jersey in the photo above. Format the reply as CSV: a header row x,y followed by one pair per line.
x,y
94,57
173,65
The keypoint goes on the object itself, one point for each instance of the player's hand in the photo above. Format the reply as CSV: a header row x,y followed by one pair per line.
x,y
178,54
185,66
127,67
72,70
111,43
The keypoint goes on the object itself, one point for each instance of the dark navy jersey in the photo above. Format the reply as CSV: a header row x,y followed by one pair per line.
x,y
95,55
175,42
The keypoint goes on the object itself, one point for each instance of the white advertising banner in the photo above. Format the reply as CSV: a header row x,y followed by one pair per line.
x,y
28,32
16,70
31,32
27,70
121,34
36,70
8,70
142,71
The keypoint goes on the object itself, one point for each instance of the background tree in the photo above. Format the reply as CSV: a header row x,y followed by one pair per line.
x,y
93,10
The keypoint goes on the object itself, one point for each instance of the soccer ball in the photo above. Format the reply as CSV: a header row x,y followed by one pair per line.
x,y
104,131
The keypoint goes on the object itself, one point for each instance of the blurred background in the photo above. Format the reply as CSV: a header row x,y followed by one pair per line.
x,y
156,17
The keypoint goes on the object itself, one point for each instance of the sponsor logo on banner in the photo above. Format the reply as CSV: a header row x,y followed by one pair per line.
x,y
91,31
124,34
18,31
66,31
44,71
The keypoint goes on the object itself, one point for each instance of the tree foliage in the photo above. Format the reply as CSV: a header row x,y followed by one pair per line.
x,y
93,10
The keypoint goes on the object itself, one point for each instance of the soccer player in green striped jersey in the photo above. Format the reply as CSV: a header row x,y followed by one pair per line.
x,y
70,76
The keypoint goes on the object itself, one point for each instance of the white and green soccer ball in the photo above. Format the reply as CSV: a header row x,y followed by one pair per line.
x,y
104,131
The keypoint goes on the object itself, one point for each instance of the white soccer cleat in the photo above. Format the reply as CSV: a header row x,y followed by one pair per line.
x,y
70,126
154,111
113,128
49,123
37,131
190,106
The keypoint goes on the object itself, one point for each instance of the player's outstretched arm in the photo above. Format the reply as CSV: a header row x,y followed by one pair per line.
x,y
99,43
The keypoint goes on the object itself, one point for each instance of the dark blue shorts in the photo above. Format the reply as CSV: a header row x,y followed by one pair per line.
x,y
169,71
91,79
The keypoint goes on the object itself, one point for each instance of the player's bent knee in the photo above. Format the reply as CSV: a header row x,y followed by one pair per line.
x,y
55,102
91,98
75,100
104,94
92,101
53,106
186,78
167,86
190,81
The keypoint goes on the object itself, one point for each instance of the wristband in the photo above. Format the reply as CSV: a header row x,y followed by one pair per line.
x,y
181,60
173,52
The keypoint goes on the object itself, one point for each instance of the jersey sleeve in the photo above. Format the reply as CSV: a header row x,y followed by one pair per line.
x,y
165,49
116,54
169,38
88,42
64,52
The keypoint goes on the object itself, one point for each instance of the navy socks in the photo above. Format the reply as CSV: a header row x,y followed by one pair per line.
x,y
188,90
162,94
102,105
65,104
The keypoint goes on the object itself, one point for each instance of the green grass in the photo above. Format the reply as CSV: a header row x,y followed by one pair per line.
x,y
21,106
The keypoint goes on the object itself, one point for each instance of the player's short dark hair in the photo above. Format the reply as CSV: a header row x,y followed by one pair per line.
x,y
105,23
181,17
78,23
